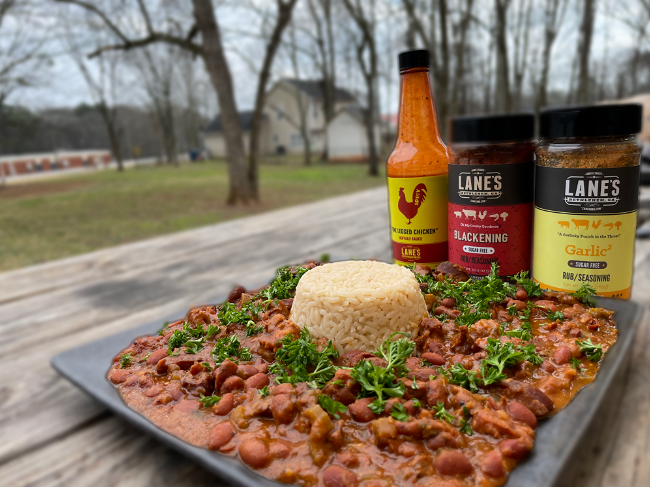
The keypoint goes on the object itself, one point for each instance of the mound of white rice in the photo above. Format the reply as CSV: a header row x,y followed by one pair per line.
x,y
358,304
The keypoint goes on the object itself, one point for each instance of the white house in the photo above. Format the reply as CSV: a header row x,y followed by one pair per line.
x,y
346,136
281,133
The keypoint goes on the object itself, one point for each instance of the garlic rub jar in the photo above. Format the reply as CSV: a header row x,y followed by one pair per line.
x,y
586,198
491,193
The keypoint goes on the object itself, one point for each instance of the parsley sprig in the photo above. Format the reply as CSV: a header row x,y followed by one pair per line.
x,y
502,355
587,294
592,352
442,413
125,360
331,406
399,412
209,401
284,284
228,347
382,381
531,287
298,360
462,377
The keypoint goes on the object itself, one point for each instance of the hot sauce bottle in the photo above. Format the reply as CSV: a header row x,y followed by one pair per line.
x,y
417,171
491,184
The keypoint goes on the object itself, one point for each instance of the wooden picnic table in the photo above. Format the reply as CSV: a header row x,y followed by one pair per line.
x,y
51,433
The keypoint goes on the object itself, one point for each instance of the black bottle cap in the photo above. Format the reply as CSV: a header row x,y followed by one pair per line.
x,y
418,58
493,128
591,121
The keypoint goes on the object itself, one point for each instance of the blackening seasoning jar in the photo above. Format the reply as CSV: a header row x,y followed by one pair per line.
x,y
586,198
491,174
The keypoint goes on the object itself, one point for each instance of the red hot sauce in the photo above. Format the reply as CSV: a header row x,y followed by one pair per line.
x,y
491,184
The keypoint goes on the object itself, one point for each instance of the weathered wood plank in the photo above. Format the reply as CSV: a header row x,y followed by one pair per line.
x,y
46,421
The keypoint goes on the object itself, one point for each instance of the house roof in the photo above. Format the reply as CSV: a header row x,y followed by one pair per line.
x,y
314,89
245,120
355,111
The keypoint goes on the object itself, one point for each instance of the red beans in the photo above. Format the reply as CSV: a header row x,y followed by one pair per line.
x,y
196,369
280,449
246,371
547,367
337,476
283,389
225,370
225,405
255,453
235,294
117,376
521,295
562,355
361,412
492,464
449,302
433,358
519,305
154,391
187,406
347,459
257,381
232,383
422,374
155,357
282,408
220,435
452,462
515,449
519,412
435,392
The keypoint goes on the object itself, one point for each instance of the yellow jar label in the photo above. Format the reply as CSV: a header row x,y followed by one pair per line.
x,y
570,249
418,219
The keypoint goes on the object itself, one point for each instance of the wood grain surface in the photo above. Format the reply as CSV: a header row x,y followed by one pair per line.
x,y
52,434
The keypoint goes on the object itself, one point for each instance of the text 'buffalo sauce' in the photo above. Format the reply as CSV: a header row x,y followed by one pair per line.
x,y
491,175
417,171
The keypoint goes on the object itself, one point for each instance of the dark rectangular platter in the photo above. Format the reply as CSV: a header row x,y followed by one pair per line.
x,y
556,438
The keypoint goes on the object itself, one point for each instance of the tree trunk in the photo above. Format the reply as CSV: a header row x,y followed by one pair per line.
x,y
283,18
113,135
586,31
460,59
240,189
502,88
370,119
442,100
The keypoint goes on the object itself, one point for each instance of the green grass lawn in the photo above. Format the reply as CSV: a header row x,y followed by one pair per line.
x,y
59,217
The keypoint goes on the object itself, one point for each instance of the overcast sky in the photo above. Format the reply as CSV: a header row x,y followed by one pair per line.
x,y
61,84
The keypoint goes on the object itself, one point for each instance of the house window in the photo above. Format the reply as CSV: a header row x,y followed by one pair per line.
x,y
275,139
279,112
315,110
296,140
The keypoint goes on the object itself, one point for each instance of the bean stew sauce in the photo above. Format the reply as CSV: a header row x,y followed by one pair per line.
x,y
458,406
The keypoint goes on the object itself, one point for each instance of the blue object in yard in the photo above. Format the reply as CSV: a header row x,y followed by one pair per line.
x,y
195,155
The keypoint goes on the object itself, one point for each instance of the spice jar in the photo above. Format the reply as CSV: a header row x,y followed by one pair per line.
x,y
586,200
491,193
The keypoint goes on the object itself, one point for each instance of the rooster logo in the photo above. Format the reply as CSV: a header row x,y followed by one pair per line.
x,y
409,210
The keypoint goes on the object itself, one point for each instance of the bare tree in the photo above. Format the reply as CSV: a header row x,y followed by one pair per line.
x,y
21,55
502,100
103,88
553,16
283,17
303,104
461,47
323,35
157,66
586,34
367,58
520,61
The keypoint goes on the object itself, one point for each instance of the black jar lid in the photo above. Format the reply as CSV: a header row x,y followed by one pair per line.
x,y
591,121
493,128
417,58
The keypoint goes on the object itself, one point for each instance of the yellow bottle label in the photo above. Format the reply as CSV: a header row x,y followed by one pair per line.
x,y
418,219
571,249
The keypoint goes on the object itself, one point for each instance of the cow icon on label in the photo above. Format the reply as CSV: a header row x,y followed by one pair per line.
x,y
564,224
581,223
469,213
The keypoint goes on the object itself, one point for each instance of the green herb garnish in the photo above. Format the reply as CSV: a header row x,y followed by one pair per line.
x,y
591,351
264,391
331,406
229,346
587,294
209,401
442,413
284,284
252,329
125,360
463,377
575,363
176,340
206,366
464,422
531,287
502,355
555,316
194,346
399,412
298,360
